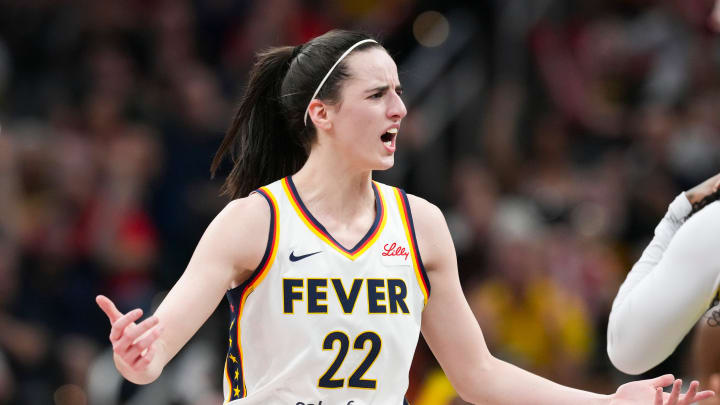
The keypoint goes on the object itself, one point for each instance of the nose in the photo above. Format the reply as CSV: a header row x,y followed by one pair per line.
x,y
396,108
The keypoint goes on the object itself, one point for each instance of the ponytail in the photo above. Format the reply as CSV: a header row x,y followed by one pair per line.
x,y
264,148
268,139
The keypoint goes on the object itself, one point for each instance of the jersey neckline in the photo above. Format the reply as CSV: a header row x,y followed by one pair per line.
x,y
318,229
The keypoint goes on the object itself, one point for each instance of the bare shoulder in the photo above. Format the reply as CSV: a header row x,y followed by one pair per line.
x,y
251,210
426,215
431,230
240,231
421,205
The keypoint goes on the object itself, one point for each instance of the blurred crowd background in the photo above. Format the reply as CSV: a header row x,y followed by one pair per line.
x,y
552,133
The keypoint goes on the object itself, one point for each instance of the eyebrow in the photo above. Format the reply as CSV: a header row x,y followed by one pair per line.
x,y
383,89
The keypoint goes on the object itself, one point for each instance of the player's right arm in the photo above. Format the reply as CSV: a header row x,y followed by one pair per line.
x,y
229,250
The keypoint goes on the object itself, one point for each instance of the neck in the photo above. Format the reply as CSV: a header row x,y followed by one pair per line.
x,y
328,185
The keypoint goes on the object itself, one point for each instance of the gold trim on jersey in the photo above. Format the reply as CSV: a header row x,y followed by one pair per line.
x,y
409,233
315,227
259,276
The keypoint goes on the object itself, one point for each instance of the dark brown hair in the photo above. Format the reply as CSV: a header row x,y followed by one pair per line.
x,y
268,139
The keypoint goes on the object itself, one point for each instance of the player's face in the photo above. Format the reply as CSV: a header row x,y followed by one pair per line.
x,y
367,119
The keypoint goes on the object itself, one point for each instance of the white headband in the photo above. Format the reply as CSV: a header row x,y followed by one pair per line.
x,y
330,72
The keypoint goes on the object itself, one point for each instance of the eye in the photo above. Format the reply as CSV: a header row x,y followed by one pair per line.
x,y
377,95
399,91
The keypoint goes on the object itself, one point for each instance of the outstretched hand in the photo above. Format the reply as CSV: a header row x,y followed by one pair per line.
x,y
645,391
132,342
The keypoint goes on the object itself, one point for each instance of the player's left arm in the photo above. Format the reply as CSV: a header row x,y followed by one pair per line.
x,y
454,336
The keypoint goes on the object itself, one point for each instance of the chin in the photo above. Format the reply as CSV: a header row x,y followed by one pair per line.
x,y
385,163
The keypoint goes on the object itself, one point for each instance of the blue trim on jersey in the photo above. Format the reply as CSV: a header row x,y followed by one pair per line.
x,y
232,365
268,248
414,240
376,222
234,297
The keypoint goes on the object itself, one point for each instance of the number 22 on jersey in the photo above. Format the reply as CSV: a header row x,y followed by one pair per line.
x,y
327,380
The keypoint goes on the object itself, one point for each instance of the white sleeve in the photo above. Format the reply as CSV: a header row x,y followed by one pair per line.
x,y
674,217
667,290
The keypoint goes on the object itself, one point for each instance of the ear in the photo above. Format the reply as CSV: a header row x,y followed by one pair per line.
x,y
318,113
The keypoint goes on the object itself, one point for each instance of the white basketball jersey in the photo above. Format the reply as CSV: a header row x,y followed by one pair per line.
x,y
318,323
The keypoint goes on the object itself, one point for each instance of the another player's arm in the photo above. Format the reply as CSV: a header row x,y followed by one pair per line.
x,y
454,336
671,284
231,247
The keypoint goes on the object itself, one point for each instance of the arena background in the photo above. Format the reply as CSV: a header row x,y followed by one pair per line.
x,y
552,134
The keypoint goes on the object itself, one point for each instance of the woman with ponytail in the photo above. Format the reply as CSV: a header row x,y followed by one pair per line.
x,y
672,285
328,274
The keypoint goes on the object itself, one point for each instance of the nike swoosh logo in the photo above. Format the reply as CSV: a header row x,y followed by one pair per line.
x,y
294,258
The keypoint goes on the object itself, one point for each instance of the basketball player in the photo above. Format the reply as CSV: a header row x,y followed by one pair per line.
x,y
329,274
672,285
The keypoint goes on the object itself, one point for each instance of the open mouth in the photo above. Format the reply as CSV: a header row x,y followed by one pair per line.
x,y
388,138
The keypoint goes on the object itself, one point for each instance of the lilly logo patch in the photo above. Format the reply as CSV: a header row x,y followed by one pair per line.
x,y
394,254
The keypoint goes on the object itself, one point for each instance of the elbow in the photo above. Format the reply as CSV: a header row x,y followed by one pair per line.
x,y
466,385
465,397
625,363
468,394
627,357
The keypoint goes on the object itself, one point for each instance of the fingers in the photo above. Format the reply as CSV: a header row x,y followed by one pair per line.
x,y
130,334
662,381
137,348
689,396
675,393
132,343
143,361
703,395
658,396
119,326
108,307
693,396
